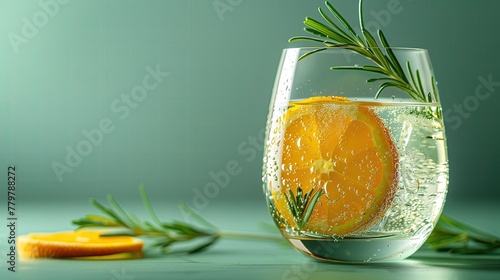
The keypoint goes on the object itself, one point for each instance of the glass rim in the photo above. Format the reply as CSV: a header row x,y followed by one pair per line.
x,y
415,49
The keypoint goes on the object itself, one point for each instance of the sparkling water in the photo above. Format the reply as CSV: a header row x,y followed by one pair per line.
x,y
417,131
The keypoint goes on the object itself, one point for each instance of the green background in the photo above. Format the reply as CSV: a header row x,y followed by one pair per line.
x,y
64,75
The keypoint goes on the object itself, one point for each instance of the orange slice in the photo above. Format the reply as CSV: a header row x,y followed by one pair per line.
x,y
343,148
80,243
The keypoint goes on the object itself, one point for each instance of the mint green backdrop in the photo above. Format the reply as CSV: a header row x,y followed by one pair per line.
x,y
99,96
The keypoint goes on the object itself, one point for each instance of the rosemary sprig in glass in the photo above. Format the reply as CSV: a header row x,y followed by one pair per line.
x,y
164,235
301,205
342,34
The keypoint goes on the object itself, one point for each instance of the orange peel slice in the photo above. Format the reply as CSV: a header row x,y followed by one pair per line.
x,y
77,244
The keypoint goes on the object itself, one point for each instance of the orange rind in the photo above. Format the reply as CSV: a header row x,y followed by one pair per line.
x,y
77,244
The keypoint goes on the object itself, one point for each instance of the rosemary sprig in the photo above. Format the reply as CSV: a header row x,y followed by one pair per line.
x,y
453,236
164,235
301,205
342,34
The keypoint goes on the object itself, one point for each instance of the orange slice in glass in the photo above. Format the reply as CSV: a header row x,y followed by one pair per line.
x,y
73,244
343,148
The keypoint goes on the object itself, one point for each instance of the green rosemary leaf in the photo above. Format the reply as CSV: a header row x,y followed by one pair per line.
x,y
306,38
101,219
341,19
311,52
411,92
124,216
368,68
372,80
370,41
395,84
88,223
392,57
337,28
147,204
325,31
434,89
186,229
305,198
410,73
375,49
108,211
382,87
299,201
293,203
460,238
375,69
163,244
420,86
316,32
204,246
361,17
310,207
325,42
188,210
138,222
154,228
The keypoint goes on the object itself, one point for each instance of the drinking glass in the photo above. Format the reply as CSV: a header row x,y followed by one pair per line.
x,y
355,169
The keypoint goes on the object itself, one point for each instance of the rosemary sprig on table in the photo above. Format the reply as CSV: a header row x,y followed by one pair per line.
x,y
164,235
342,34
453,236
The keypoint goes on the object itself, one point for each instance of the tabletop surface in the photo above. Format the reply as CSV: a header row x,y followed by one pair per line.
x,y
242,259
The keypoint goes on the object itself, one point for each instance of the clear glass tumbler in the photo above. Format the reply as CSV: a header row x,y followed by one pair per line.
x,y
355,163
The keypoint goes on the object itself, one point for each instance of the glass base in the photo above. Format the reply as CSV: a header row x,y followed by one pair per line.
x,y
358,250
